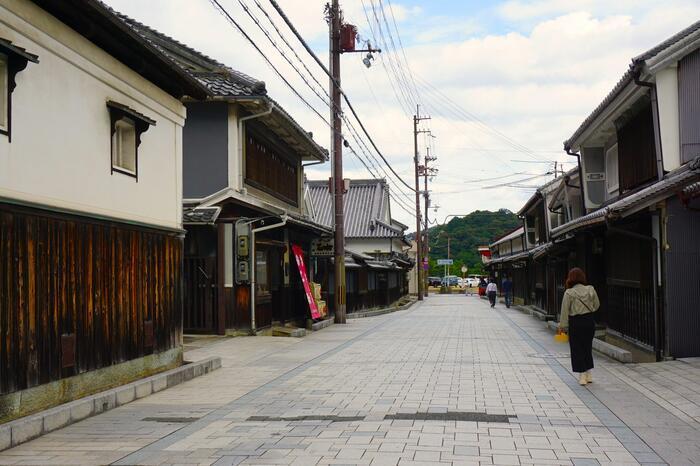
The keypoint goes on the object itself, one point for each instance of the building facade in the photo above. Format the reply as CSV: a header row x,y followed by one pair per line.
x,y
90,204
243,181
628,215
377,260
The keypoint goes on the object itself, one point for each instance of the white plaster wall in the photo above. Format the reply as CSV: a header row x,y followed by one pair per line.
x,y
59,155
667,95
369,245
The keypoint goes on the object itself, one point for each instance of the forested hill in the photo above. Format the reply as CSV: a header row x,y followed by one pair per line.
x,y
479,228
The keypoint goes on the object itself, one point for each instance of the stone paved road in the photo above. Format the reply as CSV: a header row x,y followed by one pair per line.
x,y
449,381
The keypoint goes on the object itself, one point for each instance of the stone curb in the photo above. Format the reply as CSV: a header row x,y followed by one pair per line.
x,y
378,312
30,427
612,351
316,326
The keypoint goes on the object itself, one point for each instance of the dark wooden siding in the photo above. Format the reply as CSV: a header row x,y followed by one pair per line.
x,y
682,280
268,167
105,292
689,105
637,150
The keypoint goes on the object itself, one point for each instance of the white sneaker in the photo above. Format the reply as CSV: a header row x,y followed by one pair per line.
x,y
582,379
589,376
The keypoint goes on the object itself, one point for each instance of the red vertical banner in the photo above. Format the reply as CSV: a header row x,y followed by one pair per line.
x,y
299,256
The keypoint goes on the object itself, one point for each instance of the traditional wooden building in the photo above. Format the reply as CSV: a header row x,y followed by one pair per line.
x,y
629,214
90,203
639,154
248,224
377,261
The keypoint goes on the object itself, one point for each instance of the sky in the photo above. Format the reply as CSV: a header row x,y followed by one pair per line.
x,y
503,82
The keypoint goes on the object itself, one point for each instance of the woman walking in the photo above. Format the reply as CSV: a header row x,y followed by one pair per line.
x,y
577,308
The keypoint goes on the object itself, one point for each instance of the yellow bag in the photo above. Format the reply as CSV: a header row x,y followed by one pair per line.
x,y
561,336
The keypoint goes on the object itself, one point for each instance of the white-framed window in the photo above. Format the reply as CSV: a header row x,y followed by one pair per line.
x,y
612,178
124,146
127,126
4,94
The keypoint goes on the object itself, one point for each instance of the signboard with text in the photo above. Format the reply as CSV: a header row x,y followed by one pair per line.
x,y
322,247
445,262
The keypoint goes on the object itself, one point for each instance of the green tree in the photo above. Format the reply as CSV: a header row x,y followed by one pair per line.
x,y
466,234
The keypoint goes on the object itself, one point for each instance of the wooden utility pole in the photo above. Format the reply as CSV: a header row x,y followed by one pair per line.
x,y
419,243
338,184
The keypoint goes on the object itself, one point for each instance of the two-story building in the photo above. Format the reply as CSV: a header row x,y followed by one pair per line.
x,y
377,261
636,237
91,232
243,181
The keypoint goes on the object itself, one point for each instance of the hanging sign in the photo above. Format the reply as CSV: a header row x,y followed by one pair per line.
x,y
299,256
322,247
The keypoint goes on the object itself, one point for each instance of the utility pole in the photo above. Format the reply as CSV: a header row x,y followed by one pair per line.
x,y
338,45
419,243
426,200
338,184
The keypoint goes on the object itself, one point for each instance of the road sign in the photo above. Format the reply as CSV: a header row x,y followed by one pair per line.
x,y
445,262
464,269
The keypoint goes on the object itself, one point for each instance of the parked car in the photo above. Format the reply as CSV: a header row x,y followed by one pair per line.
x,y
472,282
434,281
450,280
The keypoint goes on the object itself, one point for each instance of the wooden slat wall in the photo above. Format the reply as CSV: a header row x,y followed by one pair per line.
x,y
636,150
97,281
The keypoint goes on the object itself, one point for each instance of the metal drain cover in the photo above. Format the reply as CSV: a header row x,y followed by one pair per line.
x,y
450,416
182,420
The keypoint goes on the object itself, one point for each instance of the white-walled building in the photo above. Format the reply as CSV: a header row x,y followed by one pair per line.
x,y
90,202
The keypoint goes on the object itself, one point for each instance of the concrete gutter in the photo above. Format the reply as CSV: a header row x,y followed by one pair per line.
x,y
378,312
30,427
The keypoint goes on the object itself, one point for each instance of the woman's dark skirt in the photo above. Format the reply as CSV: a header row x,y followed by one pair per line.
x,y
581,333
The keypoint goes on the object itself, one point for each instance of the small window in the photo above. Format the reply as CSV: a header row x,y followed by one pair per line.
x,y
124,146
127,126
611,170
4,93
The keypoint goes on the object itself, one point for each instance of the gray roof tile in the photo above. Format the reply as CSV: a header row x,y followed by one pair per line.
x,y
366,205
627,78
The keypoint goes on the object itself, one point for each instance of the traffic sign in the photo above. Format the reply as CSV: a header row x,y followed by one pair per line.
x,y
445,262
464,269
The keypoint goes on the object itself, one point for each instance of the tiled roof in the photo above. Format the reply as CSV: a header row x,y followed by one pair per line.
x,y
509,236
680,180
225,82
635,66
200,215
366,204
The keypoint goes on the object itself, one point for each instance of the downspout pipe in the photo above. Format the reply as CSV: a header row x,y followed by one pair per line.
x,y
657,129
580,176
655,264
241,138
253,266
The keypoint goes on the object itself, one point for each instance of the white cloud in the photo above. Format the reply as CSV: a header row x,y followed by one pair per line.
x,y
534,82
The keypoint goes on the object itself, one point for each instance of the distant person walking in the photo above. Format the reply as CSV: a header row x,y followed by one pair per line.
x,y
577,308
508,290
492,291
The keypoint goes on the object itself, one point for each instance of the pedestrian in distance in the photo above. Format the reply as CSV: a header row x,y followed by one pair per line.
x,y
508,290
577,308
492,291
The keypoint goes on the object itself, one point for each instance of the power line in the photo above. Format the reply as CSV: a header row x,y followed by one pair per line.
x,y
296,69
223,11
345,97
403,102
